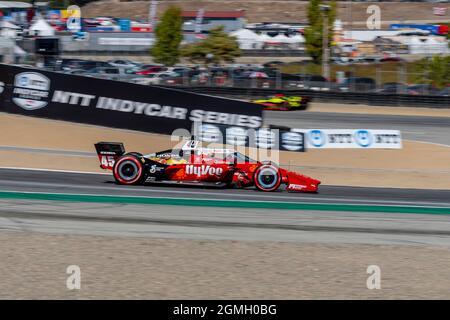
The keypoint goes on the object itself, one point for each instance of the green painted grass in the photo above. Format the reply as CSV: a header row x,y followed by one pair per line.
x,y
223,203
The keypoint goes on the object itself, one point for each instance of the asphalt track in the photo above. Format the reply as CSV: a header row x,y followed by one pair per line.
x,y
22,208
103,184
335,215
426,129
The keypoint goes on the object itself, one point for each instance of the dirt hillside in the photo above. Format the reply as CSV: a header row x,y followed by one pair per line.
x,y
267,10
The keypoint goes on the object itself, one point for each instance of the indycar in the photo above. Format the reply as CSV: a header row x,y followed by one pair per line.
x,y
195,165
284,103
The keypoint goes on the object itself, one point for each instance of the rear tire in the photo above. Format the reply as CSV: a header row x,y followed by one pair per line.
x,y
267,178
128,170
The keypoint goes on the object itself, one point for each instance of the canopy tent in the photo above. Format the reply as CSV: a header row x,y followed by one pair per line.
x,y
8,29
296,39
41,28
281,38
433,46
428,45
18,51
4,24
266,38
247,39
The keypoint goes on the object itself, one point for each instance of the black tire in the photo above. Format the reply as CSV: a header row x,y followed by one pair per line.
x,y
267,178
129,170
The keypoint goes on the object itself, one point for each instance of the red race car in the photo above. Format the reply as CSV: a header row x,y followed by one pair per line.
x,y
194,165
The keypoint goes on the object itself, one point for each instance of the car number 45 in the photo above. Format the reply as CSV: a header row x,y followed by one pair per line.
x,y
107,161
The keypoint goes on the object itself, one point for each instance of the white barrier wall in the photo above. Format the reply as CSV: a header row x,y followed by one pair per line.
x,y
351,138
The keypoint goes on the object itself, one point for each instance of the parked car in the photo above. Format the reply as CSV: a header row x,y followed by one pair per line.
x,y
422,89
148,71
392,87
112,73
123,63
155,78
357,84
308,82
444,92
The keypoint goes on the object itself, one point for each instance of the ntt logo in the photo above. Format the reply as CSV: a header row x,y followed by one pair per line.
x,y
363,138
317,138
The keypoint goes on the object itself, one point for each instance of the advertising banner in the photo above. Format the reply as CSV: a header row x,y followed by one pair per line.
x,y
261,138
351,138
38,93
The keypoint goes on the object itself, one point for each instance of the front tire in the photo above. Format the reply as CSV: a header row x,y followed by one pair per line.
x,y
128,170
267,178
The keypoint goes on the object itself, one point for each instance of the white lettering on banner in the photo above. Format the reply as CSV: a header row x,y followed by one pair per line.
x,y
351,138
72,98
225,118
148,109
203,170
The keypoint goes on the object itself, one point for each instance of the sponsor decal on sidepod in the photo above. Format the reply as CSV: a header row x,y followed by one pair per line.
x,y
203,170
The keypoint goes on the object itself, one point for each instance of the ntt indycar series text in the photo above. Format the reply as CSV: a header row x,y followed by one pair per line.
x,y
117,104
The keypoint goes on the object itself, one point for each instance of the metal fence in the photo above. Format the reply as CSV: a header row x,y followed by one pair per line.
x,y
373,98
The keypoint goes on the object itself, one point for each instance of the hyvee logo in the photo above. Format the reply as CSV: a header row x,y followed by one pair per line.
x,y
31,90
203,170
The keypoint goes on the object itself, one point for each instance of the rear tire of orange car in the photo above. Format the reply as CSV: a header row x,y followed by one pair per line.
x,y
267,178
128,170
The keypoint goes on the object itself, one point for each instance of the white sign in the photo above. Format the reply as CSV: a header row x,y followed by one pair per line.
x,y
126,41
74,19
199,20
31,90
152,13
351,138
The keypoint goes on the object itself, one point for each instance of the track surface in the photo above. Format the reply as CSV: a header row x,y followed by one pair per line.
x,y
219,223
103,184
426,129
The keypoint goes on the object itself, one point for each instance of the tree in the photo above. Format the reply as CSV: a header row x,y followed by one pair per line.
x,y
168,35
218,47
435,71
314,31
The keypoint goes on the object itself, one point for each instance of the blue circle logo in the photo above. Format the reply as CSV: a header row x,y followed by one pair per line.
x,y
363,138
317,138
23,81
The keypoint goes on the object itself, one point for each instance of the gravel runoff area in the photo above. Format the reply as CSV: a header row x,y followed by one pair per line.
x,y
34,267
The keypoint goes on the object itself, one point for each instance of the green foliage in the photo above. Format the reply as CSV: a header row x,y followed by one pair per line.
x,y
435,71
219,44
314,31
168,34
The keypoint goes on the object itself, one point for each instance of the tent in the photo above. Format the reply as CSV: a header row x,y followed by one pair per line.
x,y
8,29
266,38
18,51
247,39
281,38
41,28
436,47
296,39
415,45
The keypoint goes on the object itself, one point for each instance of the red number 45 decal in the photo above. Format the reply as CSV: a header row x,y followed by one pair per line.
x,y
107,161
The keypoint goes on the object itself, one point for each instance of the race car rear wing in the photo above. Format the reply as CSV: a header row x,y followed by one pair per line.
x,y
108,153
